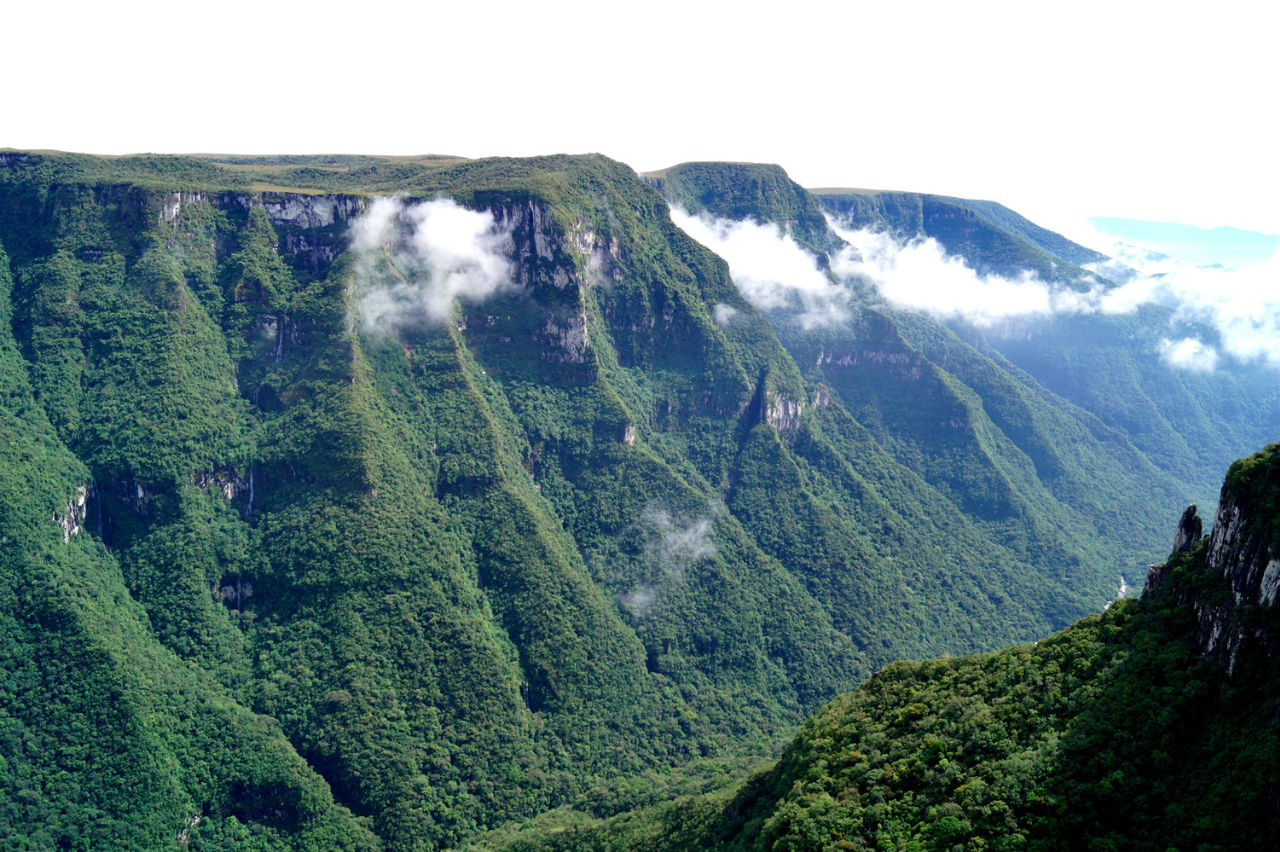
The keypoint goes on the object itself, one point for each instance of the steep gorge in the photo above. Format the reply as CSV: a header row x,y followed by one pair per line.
x,y
451,574
1149,726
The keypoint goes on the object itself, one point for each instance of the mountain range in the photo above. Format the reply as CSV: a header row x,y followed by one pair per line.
x,y
355,502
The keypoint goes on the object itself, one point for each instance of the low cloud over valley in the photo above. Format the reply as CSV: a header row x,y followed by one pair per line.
x,y
414,259
771,270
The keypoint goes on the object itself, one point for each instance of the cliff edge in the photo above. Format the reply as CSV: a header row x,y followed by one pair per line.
x,y
1230,577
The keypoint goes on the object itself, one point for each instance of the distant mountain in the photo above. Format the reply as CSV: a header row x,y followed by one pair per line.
x,y
1189,424
1058,414
354,502
1230,247
991,236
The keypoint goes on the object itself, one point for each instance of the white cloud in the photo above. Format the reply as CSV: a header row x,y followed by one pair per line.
x,y
1127,297
1189,354
724,314
919,274
640,600
671,547
414,260
371,230
677,544
1241,305
770,268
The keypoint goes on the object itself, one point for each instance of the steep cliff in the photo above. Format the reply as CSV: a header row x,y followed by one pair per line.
x,y
1188,423
993,237
1045,478
470,487
1230,577
471,525
107,738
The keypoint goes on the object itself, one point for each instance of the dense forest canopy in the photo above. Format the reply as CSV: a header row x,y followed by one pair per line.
x,y
355,502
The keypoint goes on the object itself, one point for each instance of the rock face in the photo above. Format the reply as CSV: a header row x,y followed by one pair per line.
x,y
225,481
565,336
309,227
1244,556
1238,555
553,266
72,521
312,211
783,413
1190,528
175,202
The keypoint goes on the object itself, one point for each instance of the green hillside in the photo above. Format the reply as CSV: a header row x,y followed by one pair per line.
x,y
279,576
748,191
1149,726
995,239
108,738
1042,476
1189,425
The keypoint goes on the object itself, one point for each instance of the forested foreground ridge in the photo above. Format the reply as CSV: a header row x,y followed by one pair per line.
x,y
354,502
1150,726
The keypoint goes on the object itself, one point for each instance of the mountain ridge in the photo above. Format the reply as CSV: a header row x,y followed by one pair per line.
x,y
459,569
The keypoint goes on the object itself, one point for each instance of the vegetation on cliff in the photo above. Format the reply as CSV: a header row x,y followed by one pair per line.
x,y
1120,732
278,576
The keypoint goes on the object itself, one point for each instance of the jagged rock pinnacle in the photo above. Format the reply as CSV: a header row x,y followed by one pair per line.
x,y
1190,530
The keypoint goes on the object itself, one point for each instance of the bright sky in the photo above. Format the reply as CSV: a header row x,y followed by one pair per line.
x,y
1146,110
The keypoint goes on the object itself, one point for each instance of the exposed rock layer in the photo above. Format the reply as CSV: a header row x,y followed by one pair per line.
x,y
1238,552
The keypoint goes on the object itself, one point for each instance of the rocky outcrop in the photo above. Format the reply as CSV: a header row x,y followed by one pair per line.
x,y
783,413
173,205
565,336
903,365
556,267
13,158
545,254
1243,574
72,520
1190,529
312,228
599,257
538,245
225,481
312,211
1240,549
128,492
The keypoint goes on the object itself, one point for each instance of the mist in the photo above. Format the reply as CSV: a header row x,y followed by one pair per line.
x,y
919,274
1189,353
671,546
1241,305
414,260
771,270
723,314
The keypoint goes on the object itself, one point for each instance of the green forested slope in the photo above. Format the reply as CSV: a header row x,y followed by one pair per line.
x,y
749,191
1149,726
991,237
471,569
1042,476
108,739
1189,424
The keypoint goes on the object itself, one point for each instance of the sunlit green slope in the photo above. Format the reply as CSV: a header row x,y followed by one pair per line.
x,y
458,573
1150,726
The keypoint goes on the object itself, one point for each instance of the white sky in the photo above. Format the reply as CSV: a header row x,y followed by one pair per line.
x,y
1149,110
